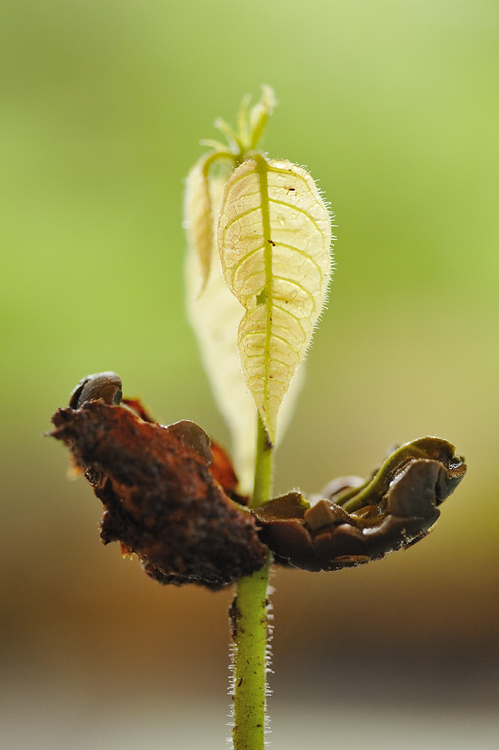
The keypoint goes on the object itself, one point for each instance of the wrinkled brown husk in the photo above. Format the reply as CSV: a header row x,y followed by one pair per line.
x,y
354,522
160,499
170,495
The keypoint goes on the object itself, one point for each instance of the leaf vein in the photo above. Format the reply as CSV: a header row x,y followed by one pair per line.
x,y
300,252
241,216
238,265
300,211
296,284
290,173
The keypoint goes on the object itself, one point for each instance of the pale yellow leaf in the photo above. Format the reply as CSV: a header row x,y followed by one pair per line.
x,y
215,315
274,237
198,218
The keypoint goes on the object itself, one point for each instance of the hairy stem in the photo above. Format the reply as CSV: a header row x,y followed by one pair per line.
x,y
249,619
264,467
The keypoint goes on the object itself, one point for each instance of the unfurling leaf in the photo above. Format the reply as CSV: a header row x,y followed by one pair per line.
x,y
259,115
198,217
215,314
274,237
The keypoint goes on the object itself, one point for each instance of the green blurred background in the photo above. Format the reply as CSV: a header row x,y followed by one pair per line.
x,y
393,106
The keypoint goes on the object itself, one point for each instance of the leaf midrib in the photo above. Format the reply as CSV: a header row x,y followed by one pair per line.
x,y
262,167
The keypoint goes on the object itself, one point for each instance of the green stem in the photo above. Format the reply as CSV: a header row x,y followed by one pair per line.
x,y
264,467
249,619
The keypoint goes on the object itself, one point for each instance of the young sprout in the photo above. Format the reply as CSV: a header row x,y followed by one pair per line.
x,y
259,263
258,268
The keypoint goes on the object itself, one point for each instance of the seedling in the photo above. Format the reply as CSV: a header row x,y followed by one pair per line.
x,y
259,264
